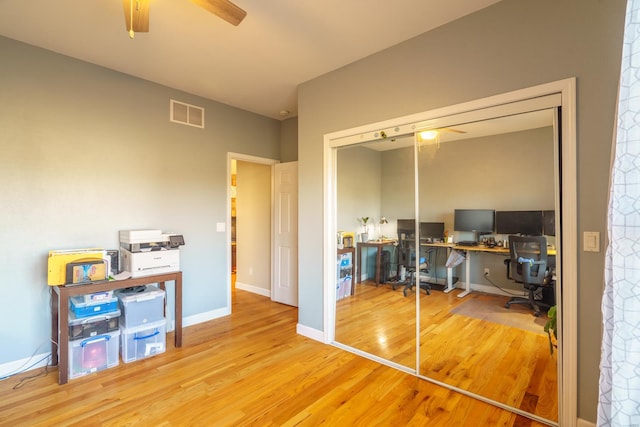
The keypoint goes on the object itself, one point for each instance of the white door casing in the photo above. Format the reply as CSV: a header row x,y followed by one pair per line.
x,y
268,211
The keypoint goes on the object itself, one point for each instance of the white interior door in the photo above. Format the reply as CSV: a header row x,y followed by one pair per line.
x,y
285,231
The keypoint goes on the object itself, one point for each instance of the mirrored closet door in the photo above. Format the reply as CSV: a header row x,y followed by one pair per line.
x,y
483,182
425,305
373,317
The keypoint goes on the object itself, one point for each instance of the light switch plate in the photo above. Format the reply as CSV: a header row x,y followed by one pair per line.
x,y
220,227
591,242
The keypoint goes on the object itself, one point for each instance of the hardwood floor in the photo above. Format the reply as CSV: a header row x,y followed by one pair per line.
x,y
250,368
501,362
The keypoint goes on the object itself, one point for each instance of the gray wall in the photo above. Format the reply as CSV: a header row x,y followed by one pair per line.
x,y
511,45
85,152
289,140
512,171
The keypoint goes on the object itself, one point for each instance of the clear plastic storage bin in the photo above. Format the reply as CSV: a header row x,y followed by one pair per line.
x,y
81,308
93,354
85,327
141,305
143,341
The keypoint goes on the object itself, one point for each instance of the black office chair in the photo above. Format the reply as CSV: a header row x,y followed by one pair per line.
x,y
528,265
407,258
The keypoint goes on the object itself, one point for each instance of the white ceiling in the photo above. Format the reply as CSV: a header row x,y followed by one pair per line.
x,y
255,66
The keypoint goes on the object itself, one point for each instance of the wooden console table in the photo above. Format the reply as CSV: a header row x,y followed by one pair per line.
x,y
60,312
378,244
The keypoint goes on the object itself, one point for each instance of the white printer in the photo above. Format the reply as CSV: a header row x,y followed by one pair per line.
x,y
149,252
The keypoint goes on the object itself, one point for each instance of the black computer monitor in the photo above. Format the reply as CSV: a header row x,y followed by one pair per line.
x,y
406,230
549,223
431,230
407,226
526,223
481,221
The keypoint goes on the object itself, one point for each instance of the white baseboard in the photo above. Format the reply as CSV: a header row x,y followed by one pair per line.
x,y
204,317
583,423
312,333
488,289
26,364
253,289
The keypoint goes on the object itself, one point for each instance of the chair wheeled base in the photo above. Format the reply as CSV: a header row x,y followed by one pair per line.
x,y
530,300
411,284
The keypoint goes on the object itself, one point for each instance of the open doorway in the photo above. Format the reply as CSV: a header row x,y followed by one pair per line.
x,y
249,218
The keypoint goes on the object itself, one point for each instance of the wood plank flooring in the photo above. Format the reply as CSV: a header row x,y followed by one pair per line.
x,y
250,368
507,364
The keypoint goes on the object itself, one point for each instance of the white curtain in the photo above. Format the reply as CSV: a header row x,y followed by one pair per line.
x,y
619,397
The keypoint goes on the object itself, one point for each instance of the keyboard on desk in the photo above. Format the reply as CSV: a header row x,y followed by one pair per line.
x,y
467,243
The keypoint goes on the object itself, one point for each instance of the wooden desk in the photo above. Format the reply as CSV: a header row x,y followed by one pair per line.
x,y
60,313
468,251
372,244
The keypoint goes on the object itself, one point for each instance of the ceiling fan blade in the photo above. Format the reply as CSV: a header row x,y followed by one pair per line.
x,y
454,130
140,15
224,9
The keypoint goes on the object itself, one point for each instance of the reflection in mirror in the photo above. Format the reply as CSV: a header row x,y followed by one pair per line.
x,y
480,345
375,317
468,338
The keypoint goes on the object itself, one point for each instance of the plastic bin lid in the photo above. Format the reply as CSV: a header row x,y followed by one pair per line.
x,y
140,293
78,301
73,320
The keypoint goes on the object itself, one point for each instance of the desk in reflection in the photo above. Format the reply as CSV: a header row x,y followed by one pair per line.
x,y
468,250
379,245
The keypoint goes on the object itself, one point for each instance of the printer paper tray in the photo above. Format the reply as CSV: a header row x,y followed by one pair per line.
x,y
155,270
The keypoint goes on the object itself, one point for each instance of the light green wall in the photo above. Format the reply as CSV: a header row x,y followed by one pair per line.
x,y
253,225
511,45
85,152
358,188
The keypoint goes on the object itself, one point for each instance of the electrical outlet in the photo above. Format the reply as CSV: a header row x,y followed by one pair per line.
x,y
486,271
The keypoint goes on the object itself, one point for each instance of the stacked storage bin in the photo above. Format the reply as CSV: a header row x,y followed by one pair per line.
x,y
143,325
344,279
94,333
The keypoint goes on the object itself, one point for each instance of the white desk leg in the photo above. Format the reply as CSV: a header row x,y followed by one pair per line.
x,y
467,266
449,287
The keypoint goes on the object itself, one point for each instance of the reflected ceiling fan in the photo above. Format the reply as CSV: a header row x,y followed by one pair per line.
x,y
433,134
137,12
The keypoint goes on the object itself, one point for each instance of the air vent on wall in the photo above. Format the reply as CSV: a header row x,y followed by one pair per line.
x,y
187,114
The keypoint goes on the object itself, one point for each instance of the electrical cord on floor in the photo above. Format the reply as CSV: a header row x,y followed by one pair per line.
x,y
486,276
27,366
28,379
